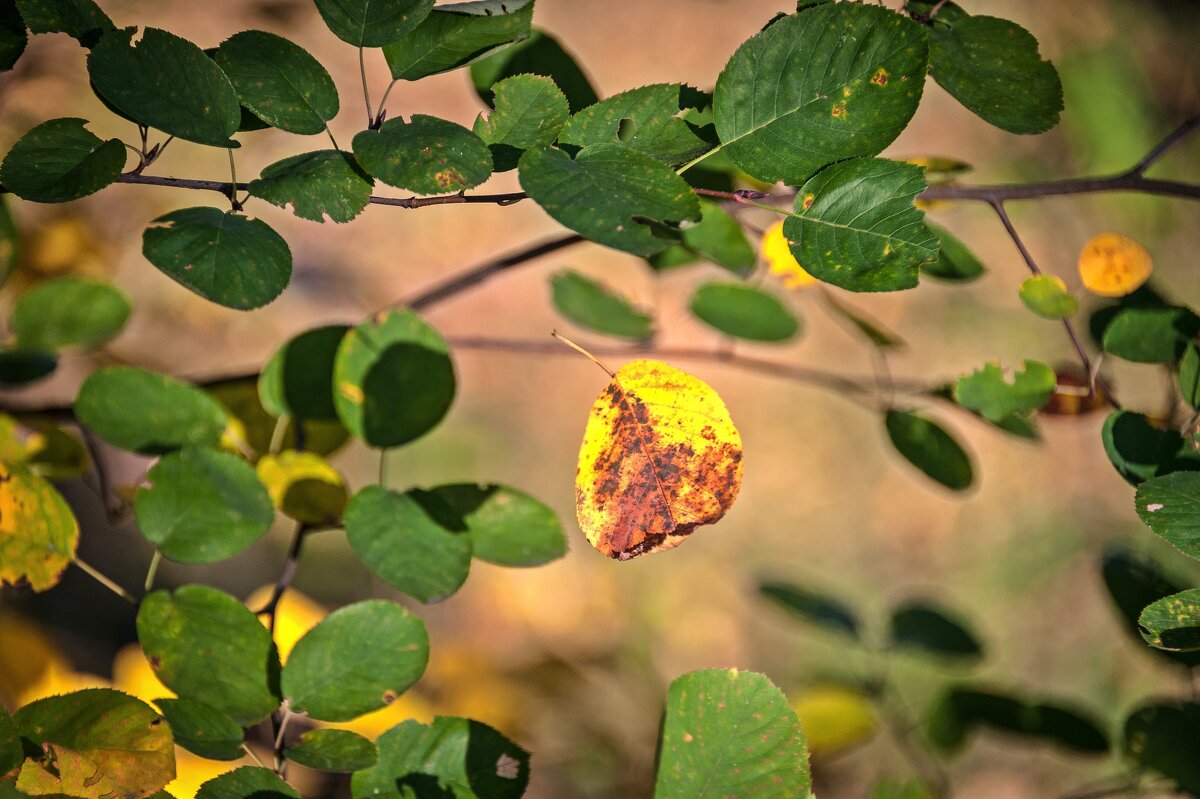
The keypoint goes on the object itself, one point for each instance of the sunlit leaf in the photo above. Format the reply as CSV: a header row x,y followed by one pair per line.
x,y
540,54
426,155
506,527
645,119
990,394
743,311
1170,506
279,82
61,160
318,184
202,729
1047,296
529,111
926,444
1173,622
591,305
38,532
933,630
333,750
455,34
1113,265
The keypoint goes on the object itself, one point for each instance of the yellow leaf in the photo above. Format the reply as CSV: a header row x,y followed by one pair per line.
x,y
1113,265
660,457
296,615
834,718
38,532
780,260
304,486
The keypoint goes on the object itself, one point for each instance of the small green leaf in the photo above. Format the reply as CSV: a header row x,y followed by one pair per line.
x,y
529,111
506,527
357,659
21,367
373,23
224,257
1151,335
925,444
1162,736
812,607
452,757
1139,450
298,380
82,20
1173,622
13,40
955,263
319,184
38,531
247,782
646,119
393,379
926,628
69,312
203,506
143,81
456,34
10,242
593,306
718,238
540,54
1135,581
333,750
426,155
962,709
279,82
202,729
1170,506
744,311
988,393
1047,296
206,646
730,733
61,160
1189,375
413,541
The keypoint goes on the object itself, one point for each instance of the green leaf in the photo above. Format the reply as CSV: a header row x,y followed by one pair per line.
x,y
304,486
1173,622
1162,736
644,119
730,733
226,258
987,392
744,311
319,184
962,710
143,82
455,34
11,754
147,412
61,160
206,646
453,757
203,506
10,241
540,54
1189,373
926,628
356,660
856,227
795,97
593,306
69,312
333,750
926,444
393,379
426,155
21,367
38,532
373,23
955,263
202,729
1170,506
812,607
95,743
1139,450
13,39
529,111
247,782
82,20
506,527
992,66
718,237
298,380
610,194
412,541
1151,335
1047,296
1135,581
279,82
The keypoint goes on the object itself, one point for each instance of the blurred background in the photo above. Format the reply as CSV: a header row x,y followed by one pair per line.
x,y
571,660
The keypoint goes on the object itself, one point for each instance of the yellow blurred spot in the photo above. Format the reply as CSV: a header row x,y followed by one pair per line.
x,y
780,261
66,244
192,771
407,706
304,486
296,615
1113,265
133,675
834,718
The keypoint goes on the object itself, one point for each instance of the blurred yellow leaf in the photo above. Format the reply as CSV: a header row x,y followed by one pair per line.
x,y
1113,265
26,654
304,486
192,771
834,718
780,261
66,244
132,674
296,615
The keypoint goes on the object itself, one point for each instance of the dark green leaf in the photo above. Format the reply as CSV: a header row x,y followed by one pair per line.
x,y
506,527
279,82
992,67
1047,296
1151,335
393,379
930,629
202,729
203,506
718,237
672,257
955,263
1145,296
247,782
530,111
1162,737
988,393
455,34
414,541
540,54
926,445
593,306
205,645
730,733
333,750
373,23
1170,506
13,39
962,710
744,311
1173,622
795,97
298,380
453,757
426,155
1139,450
10,241
224,257
82,20
147,412
1189,371
644,119
326,182
61,160
21,367
144,83
812,607
69,312
1134,581
11,754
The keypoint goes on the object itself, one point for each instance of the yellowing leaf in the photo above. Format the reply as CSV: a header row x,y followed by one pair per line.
x,y
296,615
1113,265
38,532
660,457
780,260
834,718
304,486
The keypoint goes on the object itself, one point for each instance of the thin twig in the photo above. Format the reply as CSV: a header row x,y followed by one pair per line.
x,y
1164,146
105,581
286,575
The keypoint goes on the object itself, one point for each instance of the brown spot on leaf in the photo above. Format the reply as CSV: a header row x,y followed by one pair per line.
x,y
880,78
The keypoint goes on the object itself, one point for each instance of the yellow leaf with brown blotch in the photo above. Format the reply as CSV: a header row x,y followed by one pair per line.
x,y
38,532
660,457
1113,265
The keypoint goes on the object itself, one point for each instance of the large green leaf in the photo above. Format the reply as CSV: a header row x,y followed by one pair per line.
x,y
1135,581
812,607
718,237
147,412
1140,450
224,257
610,194
540,54
856,227
82,20
38,532
963,709
955,263
205,645
730,733
646,119
593,306
426,155
799,96
61,160
202,506
927,628
144,82
333,750
279,81
298,380
529,111
1173,622
319,184
393,379
743,311
373,23
455,34
13,38
506,527
1162,736
247,782
1170,506
358,659
1151,335
202,729
69,312
988,393
926,444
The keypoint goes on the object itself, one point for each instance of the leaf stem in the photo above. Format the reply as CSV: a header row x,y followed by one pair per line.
x,y
362,71
233,182
383,453
152,572
104,581
697,160
332,140
246,748
378,118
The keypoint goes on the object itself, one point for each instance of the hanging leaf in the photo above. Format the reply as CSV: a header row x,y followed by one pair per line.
x,y
1170,506
298,380
1151,335
455,34
1173,622
660,457
69,312
962,710
595,307
224,257
926,445
333,750
279,82
13,41
540,54
743,311
202,729
1139,450
506,527
646,119
247,782
529,111
988,393
1135,581
926,628
718,237
1047,296
812,607
955,263
61,160
1161,736
82,20
38,532
426,155
303,486
1113,265
373,23
319,184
